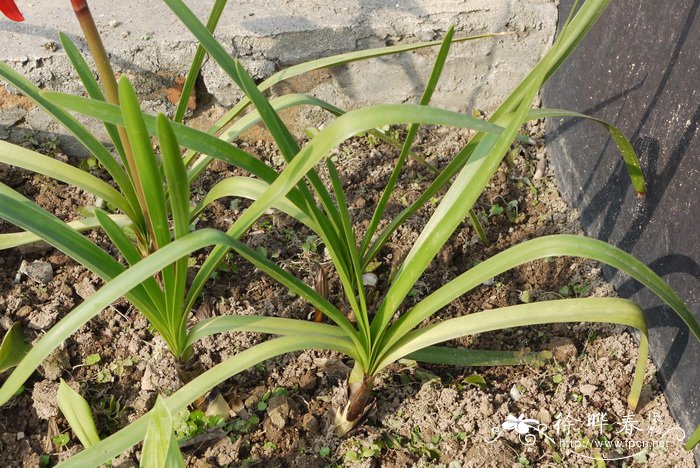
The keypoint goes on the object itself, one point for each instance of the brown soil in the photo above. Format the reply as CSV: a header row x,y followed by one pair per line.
x,y
423,415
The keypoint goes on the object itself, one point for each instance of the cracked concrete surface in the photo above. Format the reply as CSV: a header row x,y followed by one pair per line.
x,y
147,43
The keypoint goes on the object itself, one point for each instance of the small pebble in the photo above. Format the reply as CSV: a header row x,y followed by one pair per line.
x,y
515,393
37,270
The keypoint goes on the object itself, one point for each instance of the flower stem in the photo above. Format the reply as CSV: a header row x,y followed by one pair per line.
x,y
109,82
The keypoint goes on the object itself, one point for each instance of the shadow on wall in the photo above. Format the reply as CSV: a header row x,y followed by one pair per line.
x,y
639,70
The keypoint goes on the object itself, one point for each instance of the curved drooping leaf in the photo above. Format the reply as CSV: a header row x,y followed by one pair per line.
x,y
592,309
79,131
629,156
543,247
19,156
15,239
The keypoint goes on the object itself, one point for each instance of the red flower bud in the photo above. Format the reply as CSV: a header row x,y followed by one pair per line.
x,y
9,9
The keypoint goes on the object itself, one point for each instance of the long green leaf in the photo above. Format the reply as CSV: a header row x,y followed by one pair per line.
x,y
410,137
467,357
132,434
543,247
13,347
15,239
146,172
132,256
160,449
80,132
260,324
179,191
360,309
629,156
604,310
197,61
78,414
18,156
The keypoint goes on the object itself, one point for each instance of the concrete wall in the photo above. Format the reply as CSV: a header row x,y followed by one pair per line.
x,y
147,42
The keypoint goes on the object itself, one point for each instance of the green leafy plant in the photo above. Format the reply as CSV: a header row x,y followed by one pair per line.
x,y
155,280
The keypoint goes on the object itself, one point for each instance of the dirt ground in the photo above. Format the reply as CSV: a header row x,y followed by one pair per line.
x,y
423,415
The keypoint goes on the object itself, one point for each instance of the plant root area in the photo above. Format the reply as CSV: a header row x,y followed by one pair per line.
x,y
422,415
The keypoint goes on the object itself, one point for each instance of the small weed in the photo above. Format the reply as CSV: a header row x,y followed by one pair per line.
x,y
61,440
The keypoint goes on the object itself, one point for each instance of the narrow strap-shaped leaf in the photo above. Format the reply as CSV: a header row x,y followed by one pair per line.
x,y
77,412
147,173
179,191
634,169
135,432
91,86
252,189
410,137
468,357
160,449
543,247
476,223
592,309
132,256
350,240
197,61
18,156
79,131
13,347
260,324
296,285
15,239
